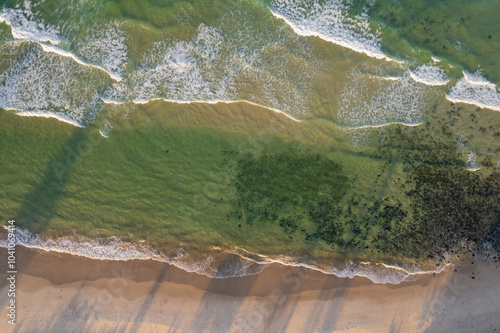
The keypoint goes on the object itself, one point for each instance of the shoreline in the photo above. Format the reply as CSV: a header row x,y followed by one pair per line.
x,y
221,264
58,292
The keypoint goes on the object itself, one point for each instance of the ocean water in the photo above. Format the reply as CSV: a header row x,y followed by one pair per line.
x,y
307,132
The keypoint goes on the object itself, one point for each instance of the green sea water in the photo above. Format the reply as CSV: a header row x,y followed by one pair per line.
x,y
315,130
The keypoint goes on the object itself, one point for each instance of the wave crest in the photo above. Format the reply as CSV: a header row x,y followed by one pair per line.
x,y
25,25
476,90
330,21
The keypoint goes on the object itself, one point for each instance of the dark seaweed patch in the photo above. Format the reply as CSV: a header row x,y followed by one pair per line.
x,y
288,189
442,207
453,206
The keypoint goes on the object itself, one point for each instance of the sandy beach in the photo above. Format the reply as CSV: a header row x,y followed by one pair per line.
x,y
64,293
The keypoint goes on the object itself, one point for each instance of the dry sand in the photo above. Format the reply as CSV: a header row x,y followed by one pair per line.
x,y
64,293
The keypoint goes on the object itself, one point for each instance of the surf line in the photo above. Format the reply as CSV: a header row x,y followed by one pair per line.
x,y
377,54
25,34
428,81
61,52
20,35
138,101
43,114
471,101
49,114
474,89
118,250
381,125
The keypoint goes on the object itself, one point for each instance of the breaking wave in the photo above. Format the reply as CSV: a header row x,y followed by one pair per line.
x,y
374,101
211,66
105,48
210,102
220,264
25,25
215,66
429,75
476,90
40,83
330,21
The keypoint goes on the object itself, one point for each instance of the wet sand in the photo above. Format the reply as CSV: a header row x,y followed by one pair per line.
x,y
64,293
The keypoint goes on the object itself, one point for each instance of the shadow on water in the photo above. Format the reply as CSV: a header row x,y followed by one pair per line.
x,y
41,203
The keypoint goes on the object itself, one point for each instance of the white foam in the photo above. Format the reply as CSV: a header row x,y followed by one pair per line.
x,y
476,90
239,264
329,20
117,93
178,69
385,78
107,128
382,273
471,162
383,125
429,75
463,149
212,66
108,101
41,83
94,249
106,46
477,79
63,53
25,26
216,67
113,248
48,114
216,102
204,70
371,101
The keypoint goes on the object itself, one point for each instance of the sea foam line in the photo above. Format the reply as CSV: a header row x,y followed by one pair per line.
x,y
44,114
429,75
28,30
116,250
302,31
49,114
63,53
476,90
103,134
382,125
473,102
36,36
108,101
138,101
384,78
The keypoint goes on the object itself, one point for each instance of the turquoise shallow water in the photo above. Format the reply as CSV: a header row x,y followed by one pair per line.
x,y
379,90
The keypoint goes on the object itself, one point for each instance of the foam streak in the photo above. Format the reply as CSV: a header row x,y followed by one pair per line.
x,y
216,102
